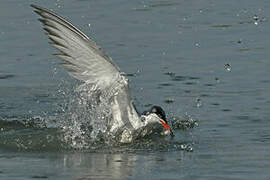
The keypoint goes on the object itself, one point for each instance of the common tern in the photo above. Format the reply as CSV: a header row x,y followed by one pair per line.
x,y
86,61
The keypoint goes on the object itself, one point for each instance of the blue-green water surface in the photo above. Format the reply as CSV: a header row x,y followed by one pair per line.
x,y
205,62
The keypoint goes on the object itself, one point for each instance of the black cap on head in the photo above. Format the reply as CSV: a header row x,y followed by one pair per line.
x,y
161,114
159,111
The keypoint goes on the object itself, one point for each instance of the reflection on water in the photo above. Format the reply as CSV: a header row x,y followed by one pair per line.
x,y
80,166
69,165
112,166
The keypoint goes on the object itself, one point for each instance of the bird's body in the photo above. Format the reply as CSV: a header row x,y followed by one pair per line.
x,y
87,62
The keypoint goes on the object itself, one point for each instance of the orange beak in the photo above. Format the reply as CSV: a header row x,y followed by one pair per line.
x,y
167,127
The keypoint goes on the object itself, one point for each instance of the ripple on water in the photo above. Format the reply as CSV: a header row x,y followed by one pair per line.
x,y
222,26
209,84
158,4
165,84
226,110
6,76
163,4
243,117
169,100
190,83
39,177
183,78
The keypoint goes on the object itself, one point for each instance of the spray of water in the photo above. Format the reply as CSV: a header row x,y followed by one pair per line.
x,y
86,119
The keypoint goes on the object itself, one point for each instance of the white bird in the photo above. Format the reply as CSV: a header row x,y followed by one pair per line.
x,y
87,62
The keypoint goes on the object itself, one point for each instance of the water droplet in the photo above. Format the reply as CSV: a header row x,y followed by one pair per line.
x,y
183,146
189,149
239,41
255,18
198,102
228,67
58,5
74,143
217,79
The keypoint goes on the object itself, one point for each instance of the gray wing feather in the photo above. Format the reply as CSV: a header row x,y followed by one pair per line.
x,y
83,58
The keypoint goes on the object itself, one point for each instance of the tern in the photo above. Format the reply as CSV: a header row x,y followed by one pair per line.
x,y
86,61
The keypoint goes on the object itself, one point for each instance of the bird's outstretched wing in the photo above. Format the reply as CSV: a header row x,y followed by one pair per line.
x,y
83,58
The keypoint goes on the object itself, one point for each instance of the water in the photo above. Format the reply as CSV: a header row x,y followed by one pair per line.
x,y
176,55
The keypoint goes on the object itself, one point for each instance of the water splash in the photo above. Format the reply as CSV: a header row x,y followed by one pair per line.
x,y
86,118
184,123
257,19
79,123
28,136
186,147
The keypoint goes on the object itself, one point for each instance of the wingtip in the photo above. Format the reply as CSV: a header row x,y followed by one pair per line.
x,y
35,6
38,9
